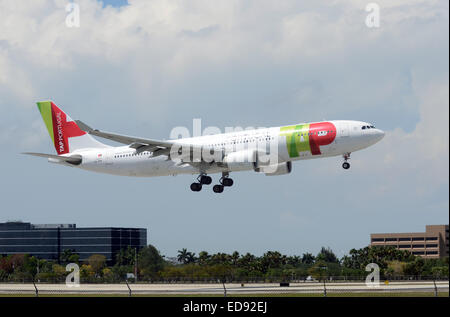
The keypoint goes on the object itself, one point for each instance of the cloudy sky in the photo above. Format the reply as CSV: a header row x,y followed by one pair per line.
x,y
144,67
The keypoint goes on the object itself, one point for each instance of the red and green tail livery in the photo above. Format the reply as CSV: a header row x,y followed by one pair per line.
x,y
60,126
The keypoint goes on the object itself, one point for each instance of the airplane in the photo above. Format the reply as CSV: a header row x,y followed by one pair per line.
x,y
269,151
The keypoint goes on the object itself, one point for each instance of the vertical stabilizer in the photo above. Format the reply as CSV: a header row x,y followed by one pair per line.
x,y
64,132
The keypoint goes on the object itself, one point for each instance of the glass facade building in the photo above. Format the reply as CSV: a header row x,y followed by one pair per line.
x,y
50,241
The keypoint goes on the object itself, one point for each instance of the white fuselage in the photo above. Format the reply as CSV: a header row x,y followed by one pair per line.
x,y
349,136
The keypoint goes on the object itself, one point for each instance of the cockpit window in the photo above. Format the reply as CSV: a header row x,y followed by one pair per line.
x,y
364,127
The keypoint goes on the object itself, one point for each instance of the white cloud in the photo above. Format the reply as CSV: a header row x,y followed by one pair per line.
x,y
419,159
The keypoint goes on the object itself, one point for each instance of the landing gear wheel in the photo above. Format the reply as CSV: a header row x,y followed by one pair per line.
x,y
206,180
346,165
227,182
218,188
196,187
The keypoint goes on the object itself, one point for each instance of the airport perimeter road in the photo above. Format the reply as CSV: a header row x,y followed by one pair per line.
x,y
218,289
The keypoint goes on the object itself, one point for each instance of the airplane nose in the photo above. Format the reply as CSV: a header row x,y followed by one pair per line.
x,y
380,134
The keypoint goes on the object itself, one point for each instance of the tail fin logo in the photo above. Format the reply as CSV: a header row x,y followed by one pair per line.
x,y
59,125
60,133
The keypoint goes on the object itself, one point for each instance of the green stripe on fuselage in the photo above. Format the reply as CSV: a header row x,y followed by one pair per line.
x,y
45,107
297,139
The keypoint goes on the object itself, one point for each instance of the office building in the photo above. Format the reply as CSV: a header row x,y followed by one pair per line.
x,y
433,243
49,241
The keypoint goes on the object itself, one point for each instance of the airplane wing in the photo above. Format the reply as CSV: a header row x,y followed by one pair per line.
x,y
73,159
140,144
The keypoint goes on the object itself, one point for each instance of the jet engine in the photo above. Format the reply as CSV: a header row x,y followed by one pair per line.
x,y
239,161
276,169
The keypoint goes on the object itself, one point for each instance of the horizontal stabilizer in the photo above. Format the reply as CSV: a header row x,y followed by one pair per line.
x,y
83,126
73,159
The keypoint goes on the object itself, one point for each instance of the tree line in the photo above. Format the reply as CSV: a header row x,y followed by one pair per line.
x,y
272,266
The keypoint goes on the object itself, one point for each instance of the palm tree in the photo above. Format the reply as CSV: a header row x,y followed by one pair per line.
x,y
246,261
221,258
294,260
327,255
182,255
235,258
203,258
308,258
190,258
272,260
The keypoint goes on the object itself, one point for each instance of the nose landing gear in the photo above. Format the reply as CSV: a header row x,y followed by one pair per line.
x,y
346,165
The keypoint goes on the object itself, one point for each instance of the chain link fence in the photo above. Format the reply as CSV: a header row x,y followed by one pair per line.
x,y
325,288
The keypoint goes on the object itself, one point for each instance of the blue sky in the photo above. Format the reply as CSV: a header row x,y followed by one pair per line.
x,y
149,66
115,3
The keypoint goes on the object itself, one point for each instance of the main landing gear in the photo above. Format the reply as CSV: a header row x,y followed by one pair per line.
x,y
346,165
225,181
202,179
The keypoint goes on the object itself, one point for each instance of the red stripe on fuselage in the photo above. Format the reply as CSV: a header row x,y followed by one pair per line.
x,y
322,133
